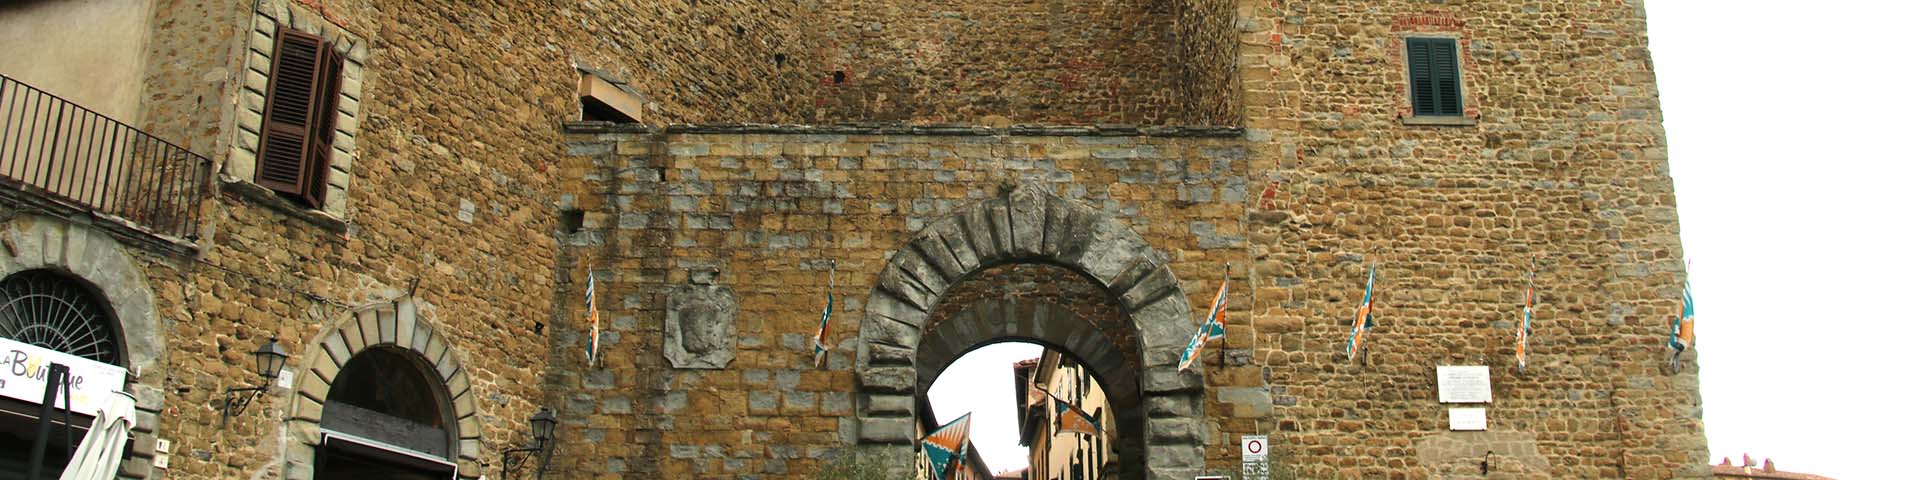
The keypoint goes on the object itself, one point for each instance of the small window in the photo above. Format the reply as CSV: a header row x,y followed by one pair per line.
x,y
1433,71
296,137
572,220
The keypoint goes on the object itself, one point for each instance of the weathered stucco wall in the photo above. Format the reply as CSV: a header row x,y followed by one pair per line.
x,y
90,52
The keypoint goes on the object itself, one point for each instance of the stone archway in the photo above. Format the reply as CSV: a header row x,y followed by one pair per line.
x,y
35,242
396,326
1030,225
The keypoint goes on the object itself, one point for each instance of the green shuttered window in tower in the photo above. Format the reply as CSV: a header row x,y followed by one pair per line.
x,y
1433,71
296,138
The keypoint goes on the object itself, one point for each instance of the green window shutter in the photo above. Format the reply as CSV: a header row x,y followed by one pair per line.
x,y
1433,73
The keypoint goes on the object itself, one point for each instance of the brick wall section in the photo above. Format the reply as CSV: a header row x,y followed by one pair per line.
x,y
769,210
1567,162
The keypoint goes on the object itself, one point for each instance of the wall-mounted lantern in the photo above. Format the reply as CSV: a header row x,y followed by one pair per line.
x,y
267,362
542,424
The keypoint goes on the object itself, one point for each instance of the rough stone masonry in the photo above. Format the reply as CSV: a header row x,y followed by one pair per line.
x,y
1266,141
1560,156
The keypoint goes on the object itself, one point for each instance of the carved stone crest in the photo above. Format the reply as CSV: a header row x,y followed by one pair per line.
x,y
699,327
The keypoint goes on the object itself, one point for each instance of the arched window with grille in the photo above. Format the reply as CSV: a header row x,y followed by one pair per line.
x,y
56,311
53,310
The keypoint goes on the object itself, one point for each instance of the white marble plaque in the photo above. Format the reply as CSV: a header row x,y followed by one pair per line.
x,y
1467,419
1464,384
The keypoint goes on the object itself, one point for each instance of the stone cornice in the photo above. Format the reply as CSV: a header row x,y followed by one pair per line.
x,y
900,129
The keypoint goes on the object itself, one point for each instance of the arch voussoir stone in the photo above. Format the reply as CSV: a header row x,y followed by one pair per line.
x,y
933,249
986,230
1165,327
953,237
894,284
920,274
1026,214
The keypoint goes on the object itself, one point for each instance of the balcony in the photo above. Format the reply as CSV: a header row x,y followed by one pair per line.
x,y
67,160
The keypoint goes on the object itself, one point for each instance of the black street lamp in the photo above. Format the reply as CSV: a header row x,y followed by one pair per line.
x,y
267,362
542,424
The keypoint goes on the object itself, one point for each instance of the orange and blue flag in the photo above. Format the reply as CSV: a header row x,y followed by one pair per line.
x,y
820,337
947,445
1526,325
1362,319
1214,328
1680,337
820,344
1070,418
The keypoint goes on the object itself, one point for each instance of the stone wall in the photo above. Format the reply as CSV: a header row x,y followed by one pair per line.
x,y
768,211
938,61
463,160
429,165
1564,160
1206,59
194,60
1560,157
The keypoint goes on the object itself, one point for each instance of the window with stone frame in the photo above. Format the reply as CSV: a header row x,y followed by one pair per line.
x,y
299,109
296,141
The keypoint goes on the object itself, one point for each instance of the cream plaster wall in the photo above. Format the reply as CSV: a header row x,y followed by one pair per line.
x,y
91,52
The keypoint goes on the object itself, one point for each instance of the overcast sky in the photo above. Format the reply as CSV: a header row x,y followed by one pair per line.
x,y
1792,133
1791,136
982,382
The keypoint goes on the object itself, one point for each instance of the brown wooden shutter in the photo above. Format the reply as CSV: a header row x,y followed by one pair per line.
x,y
319,159
287,126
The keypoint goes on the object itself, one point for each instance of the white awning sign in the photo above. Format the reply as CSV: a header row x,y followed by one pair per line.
x,y
23,376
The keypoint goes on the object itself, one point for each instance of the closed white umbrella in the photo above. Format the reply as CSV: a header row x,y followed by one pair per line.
x,y
99,455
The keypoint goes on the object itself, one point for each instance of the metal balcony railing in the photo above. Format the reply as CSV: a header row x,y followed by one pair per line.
x,y
66,157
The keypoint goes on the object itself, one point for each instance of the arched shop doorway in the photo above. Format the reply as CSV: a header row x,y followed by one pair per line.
x,y
48,317
386,417
383,395
1034,267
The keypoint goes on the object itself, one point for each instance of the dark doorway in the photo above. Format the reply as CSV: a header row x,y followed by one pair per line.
x,y
388,415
